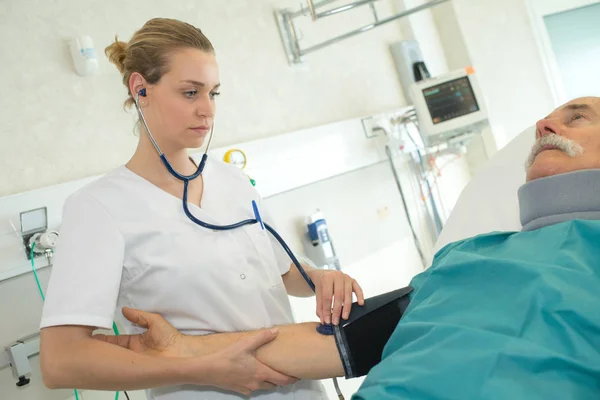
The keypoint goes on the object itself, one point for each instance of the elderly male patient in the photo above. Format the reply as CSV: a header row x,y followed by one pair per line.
x,y
510,315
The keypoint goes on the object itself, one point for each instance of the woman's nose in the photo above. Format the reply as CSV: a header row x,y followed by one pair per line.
x,y
206,109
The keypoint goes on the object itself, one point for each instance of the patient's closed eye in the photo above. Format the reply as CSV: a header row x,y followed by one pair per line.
x,y
576,117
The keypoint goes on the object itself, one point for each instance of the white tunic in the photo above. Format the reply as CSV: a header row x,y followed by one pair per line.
x,y
126,242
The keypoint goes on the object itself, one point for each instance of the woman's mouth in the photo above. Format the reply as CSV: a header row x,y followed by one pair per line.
x,y
201,129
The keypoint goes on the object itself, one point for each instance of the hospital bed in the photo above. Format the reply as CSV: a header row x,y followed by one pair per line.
x,y
489,202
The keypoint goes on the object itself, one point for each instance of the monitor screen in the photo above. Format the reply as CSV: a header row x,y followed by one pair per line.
x,y
450,100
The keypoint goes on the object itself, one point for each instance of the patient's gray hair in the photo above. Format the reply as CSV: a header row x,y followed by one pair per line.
x,y
571,148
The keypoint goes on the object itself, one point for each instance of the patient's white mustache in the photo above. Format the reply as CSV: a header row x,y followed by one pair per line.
x,y
567,146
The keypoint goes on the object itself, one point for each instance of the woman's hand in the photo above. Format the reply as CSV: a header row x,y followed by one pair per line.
x,y
234,368
160,338
334,294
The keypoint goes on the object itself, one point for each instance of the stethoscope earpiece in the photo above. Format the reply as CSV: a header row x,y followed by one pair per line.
x,y
142,92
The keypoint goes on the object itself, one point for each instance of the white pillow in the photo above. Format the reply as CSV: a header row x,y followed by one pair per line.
x,y
489,201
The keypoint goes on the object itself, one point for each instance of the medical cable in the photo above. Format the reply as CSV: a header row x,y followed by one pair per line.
x,y
409,117
402,196
37,280
404,120
436,216
435,211
186,180
336,385
323,329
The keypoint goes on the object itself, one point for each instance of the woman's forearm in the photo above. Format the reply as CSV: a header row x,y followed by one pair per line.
x,y
295,284
86,363
298,351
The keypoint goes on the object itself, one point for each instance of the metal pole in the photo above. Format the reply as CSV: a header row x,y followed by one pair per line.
x,y
311,9
343,8
371,26
303,10
388,152
374,12
295,46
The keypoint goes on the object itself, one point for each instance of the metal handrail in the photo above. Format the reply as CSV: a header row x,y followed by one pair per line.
x,y
290,38
311,5
347,7
371,26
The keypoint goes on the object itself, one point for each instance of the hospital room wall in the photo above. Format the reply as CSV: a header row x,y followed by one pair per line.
x,y
57,126
499,41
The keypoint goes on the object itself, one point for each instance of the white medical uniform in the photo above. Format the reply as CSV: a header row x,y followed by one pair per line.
x,y
126,242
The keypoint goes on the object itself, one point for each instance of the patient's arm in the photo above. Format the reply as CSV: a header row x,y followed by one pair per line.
x,y
298,351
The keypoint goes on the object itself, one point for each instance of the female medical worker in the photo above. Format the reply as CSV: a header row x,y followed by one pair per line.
x,y
125,241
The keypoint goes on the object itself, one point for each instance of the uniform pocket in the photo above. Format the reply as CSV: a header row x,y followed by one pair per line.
x,y
262,255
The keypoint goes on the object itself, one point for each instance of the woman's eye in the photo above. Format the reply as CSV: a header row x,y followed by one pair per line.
x,y
191,93
215,94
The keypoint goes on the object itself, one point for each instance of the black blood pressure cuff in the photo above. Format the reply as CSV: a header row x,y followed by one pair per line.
x,y
360,339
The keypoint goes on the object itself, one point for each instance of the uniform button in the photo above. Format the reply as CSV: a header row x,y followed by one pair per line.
x,y
242,276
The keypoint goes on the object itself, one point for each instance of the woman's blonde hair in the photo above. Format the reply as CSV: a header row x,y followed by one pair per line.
x,y
148,51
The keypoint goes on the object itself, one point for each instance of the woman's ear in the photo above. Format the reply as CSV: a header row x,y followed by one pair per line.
x,y
137,85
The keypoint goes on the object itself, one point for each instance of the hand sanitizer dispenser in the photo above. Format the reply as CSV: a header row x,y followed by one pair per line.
x,y
317,242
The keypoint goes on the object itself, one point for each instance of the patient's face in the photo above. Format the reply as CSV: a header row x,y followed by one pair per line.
x,y
567,140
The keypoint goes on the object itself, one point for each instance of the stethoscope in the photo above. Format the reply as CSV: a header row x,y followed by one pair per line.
x,y
322,329
186,180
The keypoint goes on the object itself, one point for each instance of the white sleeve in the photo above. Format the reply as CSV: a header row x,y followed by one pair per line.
x,y
86,273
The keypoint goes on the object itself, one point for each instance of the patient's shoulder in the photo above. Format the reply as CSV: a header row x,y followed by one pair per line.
x,y
479,243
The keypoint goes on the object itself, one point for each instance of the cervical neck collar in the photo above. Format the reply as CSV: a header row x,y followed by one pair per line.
x,y
560,198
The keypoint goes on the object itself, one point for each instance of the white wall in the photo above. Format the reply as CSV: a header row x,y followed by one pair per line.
x,y
57,126
453,43
500,43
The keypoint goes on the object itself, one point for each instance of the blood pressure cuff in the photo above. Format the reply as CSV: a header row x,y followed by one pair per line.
x,y
361,338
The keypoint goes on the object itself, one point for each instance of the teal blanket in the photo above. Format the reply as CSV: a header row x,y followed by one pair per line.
x,y
500,316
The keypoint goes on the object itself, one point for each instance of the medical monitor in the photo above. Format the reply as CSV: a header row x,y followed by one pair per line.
x,y
448,106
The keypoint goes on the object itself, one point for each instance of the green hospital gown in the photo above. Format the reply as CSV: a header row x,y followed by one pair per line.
x,y
500,316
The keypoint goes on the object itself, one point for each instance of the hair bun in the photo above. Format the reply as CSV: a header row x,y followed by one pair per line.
x,y
116,53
